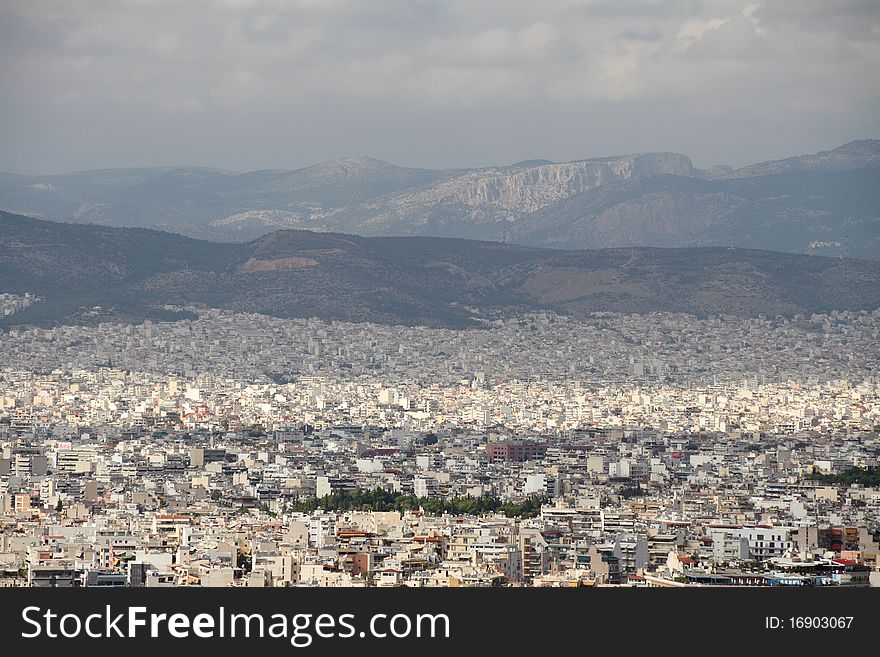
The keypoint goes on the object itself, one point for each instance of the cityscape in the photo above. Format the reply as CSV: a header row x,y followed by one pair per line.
x,y
658,450
405,296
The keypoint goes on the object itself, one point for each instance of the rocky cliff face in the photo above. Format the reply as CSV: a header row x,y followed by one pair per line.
x,y
499,194
823,204
520,192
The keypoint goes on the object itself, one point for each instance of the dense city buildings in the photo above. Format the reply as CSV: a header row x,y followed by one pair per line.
x,y
632,450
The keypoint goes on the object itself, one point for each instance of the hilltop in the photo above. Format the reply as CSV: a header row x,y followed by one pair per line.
x,y
133,273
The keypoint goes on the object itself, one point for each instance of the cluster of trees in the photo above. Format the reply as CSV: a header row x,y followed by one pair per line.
x,y
384,500
865,476
630,492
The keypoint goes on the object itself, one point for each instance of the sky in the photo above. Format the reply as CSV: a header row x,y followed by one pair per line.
x,y
258,84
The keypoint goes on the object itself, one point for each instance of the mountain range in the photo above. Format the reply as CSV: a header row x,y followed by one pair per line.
x,y
824,203
90,273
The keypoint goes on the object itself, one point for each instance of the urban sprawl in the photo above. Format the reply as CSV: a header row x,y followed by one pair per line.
x,y
540,450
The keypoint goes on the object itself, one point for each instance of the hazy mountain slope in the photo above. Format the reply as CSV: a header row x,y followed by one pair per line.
x,y
78,266
130,273
827,203
852,155
819,212
357,194
478,202
188,198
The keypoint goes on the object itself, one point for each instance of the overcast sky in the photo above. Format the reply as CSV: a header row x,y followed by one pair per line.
x,y
250,84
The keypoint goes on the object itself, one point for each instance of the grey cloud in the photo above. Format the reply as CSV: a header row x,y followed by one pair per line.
x,y
653,9
854,19
284,83
648,36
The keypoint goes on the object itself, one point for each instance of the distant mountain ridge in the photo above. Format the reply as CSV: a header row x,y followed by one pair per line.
x,y
90,273
474,203
852,155
825,203
816,212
